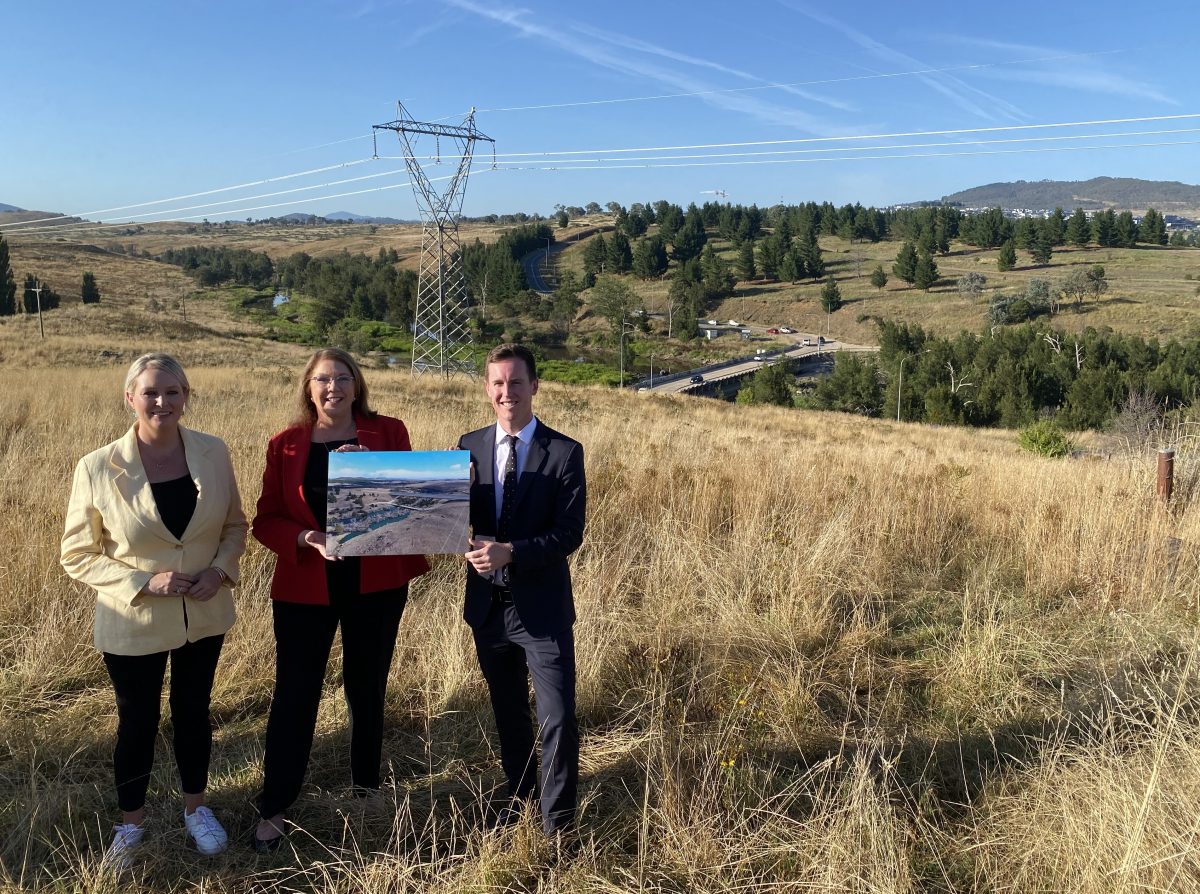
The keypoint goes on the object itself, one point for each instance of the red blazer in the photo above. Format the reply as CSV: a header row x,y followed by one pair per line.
x,y
282,514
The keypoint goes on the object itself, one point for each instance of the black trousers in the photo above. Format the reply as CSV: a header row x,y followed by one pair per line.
x,y
508,656
303,640
138,682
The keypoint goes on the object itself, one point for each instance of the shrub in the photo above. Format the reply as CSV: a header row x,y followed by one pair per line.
x,y
1045,438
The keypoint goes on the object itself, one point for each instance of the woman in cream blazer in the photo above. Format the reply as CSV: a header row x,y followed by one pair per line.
x,y
155,527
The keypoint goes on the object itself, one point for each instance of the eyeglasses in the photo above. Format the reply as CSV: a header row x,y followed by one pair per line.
x,y
325,381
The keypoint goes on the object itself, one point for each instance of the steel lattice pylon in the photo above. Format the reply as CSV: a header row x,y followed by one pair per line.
x,y
441,339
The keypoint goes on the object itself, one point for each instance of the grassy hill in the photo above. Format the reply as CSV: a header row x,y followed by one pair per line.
x,y
1153,290
816,652
1119,193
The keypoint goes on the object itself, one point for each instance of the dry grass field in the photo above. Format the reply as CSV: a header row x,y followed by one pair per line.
x,y
817,653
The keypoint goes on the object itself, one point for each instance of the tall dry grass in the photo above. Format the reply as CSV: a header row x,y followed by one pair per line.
x,y
816,652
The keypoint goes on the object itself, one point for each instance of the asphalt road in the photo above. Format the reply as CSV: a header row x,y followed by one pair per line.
x,y
537,264
678,383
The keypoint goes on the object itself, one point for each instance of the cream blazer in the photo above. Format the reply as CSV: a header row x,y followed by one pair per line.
x,y
115,541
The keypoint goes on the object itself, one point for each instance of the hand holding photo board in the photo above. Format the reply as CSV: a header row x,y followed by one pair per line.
x,y
397,503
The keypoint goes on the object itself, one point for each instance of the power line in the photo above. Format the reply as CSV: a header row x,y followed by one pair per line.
x,y
87,226
559,156
195,195
619,164
680,162
855,137
784,86
839,138
130,218
1091,136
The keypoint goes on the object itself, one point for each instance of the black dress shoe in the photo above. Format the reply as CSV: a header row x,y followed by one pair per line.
x,y
266,845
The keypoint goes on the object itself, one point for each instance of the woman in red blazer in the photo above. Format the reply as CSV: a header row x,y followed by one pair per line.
x,y
314,593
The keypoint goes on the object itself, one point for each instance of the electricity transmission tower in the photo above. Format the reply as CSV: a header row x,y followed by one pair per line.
x,y
441,339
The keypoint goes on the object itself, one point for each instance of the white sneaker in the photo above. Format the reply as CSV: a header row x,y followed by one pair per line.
x,y
126,838
208,834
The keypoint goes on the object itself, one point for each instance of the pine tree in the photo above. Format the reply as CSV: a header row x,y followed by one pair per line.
x,y
595,257
650,258
831,296
769,258
8,285
620,257
1042,246
1079,232
1153,229
1125,233
1008,257
810,253
689,239
789,267
926,272
746,268
1104,226
905,267
1056,227
879,279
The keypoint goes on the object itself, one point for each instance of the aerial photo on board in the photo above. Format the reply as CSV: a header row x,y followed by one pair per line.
x,y
392,503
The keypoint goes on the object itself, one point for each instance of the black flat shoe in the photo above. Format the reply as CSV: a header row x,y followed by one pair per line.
x,y
265,845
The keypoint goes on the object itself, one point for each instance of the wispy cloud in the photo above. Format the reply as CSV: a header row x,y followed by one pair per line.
x,y
637,58
970,99
1088,72
416,35
642,46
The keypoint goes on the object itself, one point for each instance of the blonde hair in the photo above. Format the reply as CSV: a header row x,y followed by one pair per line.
x,y
361,405
164,362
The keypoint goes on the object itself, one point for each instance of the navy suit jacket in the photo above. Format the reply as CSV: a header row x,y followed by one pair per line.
x,y
547,527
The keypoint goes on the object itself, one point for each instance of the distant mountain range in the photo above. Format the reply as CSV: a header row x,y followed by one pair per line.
x,y
351,217
1119,193
4,207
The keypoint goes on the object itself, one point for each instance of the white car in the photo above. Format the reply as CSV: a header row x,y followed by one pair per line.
x,y
806,342
785,330
734,323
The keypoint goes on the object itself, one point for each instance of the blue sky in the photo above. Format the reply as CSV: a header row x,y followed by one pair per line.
x,y
447,464
112,105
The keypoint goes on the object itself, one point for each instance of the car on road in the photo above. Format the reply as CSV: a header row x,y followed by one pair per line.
x,y
785,330
734,323
712,322
806,342
773,331
697,379
820,340
762,357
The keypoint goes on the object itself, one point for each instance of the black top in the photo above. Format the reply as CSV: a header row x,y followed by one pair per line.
x,y
176,502
341,576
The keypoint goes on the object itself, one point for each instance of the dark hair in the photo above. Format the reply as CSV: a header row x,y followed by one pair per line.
x,y
361,405
512,351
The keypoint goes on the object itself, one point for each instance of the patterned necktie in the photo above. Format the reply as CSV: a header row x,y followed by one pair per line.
x,y
509,499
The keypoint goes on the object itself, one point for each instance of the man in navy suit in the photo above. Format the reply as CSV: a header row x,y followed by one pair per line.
x,y
527,514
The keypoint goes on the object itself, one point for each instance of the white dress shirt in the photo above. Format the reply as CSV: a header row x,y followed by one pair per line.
x,y
524,439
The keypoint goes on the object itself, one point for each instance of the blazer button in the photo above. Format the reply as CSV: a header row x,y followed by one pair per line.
x,y
179,546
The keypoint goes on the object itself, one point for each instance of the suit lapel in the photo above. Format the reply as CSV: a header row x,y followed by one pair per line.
x,y
132,485
204,476
534,462
296,450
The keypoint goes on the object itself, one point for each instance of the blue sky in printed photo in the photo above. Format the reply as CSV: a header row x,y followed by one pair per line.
x,y
452,465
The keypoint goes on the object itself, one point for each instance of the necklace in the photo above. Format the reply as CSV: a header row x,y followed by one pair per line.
x,y
157,463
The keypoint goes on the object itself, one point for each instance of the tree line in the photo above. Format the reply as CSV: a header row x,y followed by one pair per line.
x,y
1010,377
36,294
